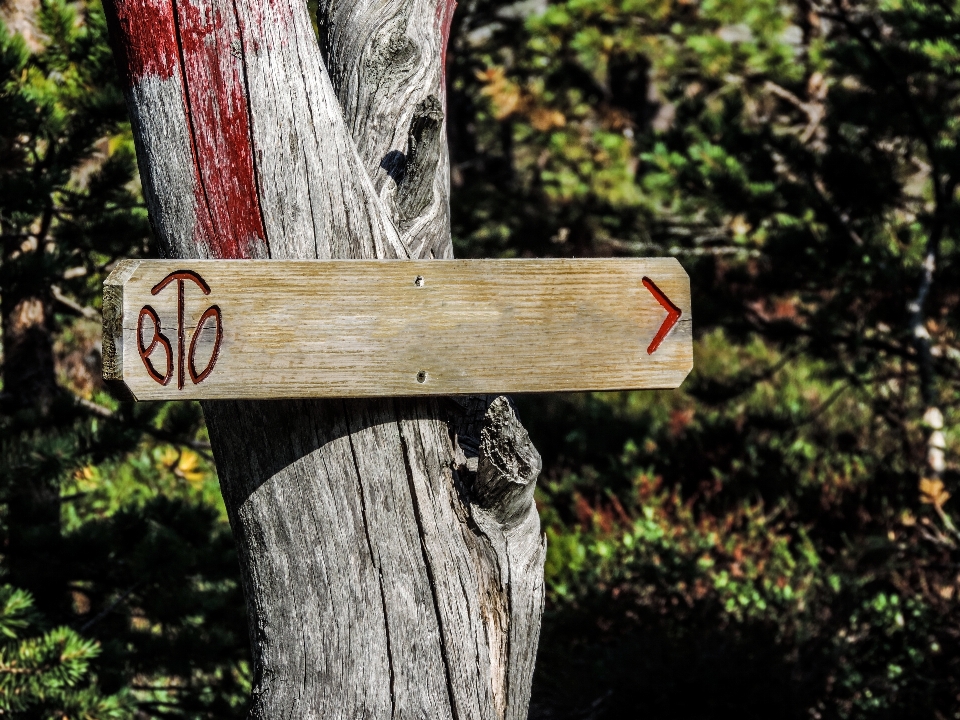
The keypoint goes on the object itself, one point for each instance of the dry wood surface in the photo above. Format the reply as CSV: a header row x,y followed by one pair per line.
x,y
390,550
354,328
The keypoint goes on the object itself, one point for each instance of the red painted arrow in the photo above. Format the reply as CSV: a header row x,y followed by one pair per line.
x,y
673,314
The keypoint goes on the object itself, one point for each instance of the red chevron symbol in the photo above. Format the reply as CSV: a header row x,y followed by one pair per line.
x,y
673,314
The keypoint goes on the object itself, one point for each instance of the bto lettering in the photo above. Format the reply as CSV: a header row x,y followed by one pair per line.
x,y
186,359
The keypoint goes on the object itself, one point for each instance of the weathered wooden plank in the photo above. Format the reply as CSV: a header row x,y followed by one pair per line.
x,y
352,328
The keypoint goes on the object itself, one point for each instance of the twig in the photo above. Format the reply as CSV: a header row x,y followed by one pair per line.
x,y
87,312
825,405
714,250
840,218
815,111
937,539
103,613
93,407
947,521
200,447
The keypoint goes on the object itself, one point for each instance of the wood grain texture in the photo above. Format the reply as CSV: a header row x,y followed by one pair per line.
x,y
112,351
404,328
386,62
352,613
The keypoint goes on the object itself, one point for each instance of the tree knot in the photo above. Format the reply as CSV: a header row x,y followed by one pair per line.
x,y
416,179
508,465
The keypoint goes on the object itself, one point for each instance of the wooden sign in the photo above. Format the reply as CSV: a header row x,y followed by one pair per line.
x,y
197,329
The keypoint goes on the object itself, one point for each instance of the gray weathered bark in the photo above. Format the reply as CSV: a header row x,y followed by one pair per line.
x,y
391,553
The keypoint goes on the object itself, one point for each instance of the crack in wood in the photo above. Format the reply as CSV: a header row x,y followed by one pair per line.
x,y
405,450
376,560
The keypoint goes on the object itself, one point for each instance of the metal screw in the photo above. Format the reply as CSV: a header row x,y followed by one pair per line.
x,y
419,283
422,376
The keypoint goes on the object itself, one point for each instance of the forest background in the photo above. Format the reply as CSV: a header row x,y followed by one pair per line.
x,y
774,539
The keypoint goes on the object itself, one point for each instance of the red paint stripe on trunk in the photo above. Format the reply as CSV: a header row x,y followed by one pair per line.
x,y
229,223
219,121
445,10
144,38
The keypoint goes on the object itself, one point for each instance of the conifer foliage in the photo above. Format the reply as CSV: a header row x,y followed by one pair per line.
x,y
46,674
119,590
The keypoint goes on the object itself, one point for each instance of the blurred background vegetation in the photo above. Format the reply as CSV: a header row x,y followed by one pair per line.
x,y
775,539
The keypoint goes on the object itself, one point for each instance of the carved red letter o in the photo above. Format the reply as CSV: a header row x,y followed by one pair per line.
x,y
211,312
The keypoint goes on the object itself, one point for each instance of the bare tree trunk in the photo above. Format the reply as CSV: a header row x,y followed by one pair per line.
x,y
391,553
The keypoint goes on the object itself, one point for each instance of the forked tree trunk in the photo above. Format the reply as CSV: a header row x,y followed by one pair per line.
x,y
391,553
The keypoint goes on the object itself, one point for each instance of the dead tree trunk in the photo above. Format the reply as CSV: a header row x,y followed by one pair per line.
x,y
391,553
